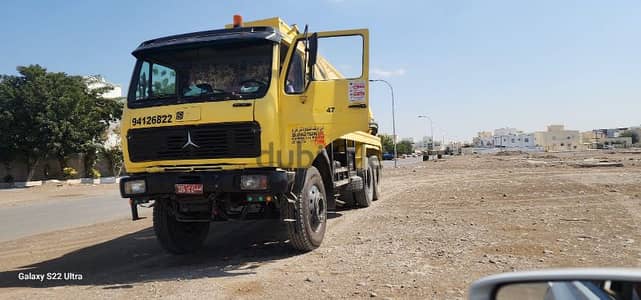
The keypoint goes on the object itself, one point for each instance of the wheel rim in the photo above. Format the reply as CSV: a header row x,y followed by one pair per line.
x,y
316,208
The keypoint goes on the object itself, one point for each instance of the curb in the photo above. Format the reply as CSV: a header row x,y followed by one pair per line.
x,y
25,184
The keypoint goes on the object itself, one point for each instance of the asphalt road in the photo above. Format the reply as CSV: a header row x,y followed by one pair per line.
x,y
44,216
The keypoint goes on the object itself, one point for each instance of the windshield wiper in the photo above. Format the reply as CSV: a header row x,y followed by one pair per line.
x,y
219,96
163,97
208,96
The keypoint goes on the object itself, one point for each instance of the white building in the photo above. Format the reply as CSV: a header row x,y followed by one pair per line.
x,y
512,138
506,131
97,81
517,140
113,132
506,137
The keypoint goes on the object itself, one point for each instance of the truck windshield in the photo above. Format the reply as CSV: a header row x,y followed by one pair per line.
x,y
206,73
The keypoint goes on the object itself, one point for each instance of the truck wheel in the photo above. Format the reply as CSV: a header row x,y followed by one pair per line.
x,y
376,168
178,237
364,197
309,213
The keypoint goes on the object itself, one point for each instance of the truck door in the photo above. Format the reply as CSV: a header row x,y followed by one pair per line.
x,y
324,92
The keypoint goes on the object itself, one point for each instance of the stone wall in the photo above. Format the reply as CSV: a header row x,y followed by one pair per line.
x,y
50,169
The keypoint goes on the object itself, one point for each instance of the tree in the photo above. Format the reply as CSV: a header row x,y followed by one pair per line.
x,y
633,134
53,114
22,116
404,147
387,142
8,145
114,159
112,152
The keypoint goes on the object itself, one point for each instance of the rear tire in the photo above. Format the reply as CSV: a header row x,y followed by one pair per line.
x,y
306,233
178,237
365,196
376,167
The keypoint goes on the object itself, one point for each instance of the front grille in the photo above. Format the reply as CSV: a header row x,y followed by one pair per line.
x,y
221,140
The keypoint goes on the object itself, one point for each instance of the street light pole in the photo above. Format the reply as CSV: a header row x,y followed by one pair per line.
x,y
431,130
393,115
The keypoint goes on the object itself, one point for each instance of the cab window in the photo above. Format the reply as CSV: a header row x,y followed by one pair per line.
x,y
338,57
163,81
204,73
295,81
155,81
142,88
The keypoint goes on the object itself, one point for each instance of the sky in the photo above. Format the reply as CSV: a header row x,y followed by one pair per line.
x,y
469,65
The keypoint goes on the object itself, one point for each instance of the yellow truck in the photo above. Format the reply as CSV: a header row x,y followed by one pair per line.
x,y
251,121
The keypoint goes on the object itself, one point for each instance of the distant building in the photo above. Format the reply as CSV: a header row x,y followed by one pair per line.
x,y
557,138
506,131
484,139
516,140
603,138
424,144
506,137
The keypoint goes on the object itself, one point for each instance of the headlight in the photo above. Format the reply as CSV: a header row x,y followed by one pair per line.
x,y
253,182
135,187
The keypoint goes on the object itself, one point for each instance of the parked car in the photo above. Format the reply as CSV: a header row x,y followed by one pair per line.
x,y
388,156
553,284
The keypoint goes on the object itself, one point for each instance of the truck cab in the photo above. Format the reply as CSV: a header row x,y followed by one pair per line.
x,y
250,121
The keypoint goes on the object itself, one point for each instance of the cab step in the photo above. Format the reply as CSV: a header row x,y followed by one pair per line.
x,y
340,183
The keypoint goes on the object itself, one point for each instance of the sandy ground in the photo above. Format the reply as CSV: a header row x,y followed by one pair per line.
x,y
439,226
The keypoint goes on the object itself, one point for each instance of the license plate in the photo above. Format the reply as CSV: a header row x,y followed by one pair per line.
x,y
189,188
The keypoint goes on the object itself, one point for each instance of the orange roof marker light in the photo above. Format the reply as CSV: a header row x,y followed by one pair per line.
x,y
238,21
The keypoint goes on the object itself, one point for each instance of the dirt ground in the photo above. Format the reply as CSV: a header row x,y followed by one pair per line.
x,y
439,226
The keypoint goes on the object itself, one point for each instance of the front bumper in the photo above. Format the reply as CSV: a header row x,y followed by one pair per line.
x,y
159,184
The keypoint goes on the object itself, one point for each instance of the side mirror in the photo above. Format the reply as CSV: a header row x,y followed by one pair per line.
x,y
312,45
598,284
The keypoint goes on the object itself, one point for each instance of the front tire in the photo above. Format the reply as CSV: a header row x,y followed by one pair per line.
x,y
309,213
178,237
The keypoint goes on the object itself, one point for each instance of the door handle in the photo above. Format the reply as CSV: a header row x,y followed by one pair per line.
x,y
361,105
242,104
